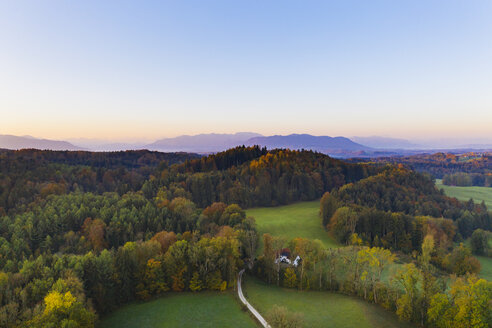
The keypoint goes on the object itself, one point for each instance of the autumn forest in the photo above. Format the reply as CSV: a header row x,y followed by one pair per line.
x,y
83,233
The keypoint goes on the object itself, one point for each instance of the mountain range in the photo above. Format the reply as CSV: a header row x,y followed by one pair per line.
x,y
15,142
213,142
323,144
385,142
202,143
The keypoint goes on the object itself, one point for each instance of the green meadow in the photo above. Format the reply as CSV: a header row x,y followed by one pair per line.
x,y
486,270
204,309
478,194
291,221
320,309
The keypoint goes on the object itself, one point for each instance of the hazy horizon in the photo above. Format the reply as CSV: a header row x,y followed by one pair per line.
x,y
415,143
123,71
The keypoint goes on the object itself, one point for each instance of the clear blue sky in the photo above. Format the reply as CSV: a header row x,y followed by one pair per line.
x,y
149,69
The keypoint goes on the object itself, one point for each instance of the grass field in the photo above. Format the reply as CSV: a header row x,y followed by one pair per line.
x,y
478,194
486,271
320,309
204,309
291,221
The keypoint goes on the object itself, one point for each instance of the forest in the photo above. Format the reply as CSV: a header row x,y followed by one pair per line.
x,y
468,179
83,233
440,164
29,175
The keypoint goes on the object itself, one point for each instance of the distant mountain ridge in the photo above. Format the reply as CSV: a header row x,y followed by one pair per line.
x,y
341,147
323,144
213,142
202,143
15,142
385,142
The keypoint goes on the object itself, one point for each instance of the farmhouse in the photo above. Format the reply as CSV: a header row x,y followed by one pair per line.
x,y
284,257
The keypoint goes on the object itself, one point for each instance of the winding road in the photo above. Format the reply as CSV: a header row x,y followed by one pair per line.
x,y
249,306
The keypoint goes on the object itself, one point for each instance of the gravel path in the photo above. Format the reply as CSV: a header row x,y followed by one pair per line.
x,y
249,306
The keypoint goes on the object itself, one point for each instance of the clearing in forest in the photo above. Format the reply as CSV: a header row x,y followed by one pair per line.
x,y
478,194
291,221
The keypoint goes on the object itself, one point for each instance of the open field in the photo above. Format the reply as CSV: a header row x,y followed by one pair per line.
x,y
478,194
204,309
320,309
486,271
291,221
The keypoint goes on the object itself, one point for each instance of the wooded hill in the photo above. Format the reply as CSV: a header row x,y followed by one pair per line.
x,y
397,202
29,174
251,176
440,164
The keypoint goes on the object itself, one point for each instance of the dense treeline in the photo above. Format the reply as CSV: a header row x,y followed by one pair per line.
x,y
79,222
109,160
277,177
397,208
441,164
399,190
468,179
82,222
248,176
101,282
480,244
223,160
94,252
413,291
27,175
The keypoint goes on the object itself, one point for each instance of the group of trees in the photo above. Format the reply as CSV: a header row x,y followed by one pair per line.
x,y
223,160
440,164
250,177
55,289
81,222
67,258
281,317
480,242
413,291
468,179
396,207
28,175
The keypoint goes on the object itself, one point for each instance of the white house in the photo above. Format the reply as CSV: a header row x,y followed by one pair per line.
x,y
286,260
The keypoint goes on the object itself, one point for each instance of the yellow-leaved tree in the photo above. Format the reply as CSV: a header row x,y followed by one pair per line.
x,y
63,310
466,305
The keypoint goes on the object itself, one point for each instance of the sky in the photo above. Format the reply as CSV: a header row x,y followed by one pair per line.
x,y
142,70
